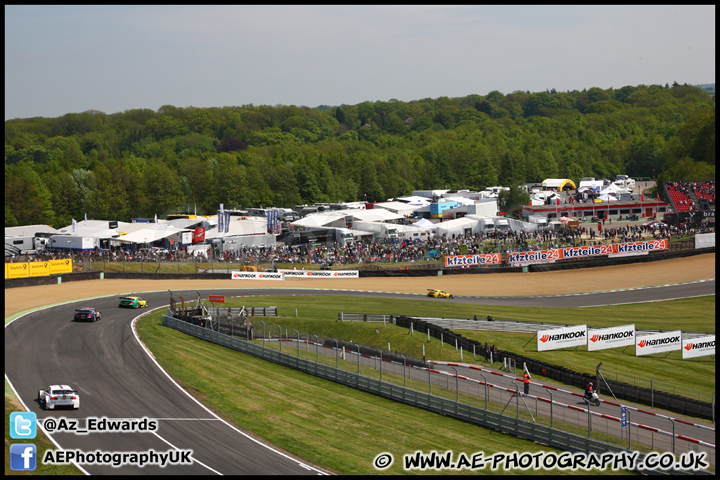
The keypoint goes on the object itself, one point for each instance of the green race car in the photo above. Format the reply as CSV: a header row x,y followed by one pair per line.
x,y
132,302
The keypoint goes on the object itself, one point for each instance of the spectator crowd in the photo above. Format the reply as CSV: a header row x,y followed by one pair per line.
x,y
681,194
380,251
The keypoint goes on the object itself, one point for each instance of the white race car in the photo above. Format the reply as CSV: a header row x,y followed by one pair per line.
x,y
58,396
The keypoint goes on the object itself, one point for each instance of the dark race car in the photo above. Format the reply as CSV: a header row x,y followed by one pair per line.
x,y
87,314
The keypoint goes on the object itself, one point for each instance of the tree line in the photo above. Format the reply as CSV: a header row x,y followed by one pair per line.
x,y
141,162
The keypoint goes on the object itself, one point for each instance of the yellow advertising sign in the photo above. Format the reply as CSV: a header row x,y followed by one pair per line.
x,y
60,266
18,270
39,269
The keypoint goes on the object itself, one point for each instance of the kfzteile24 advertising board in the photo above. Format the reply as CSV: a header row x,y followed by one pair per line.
x,y
574,336
602,338
658,343
642,247
698,346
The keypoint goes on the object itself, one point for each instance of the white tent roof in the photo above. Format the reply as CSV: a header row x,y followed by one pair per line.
x,y
151,234
128,227
608,197
325,218
94,228
397,207
460,199
91,228
425,224
457,221
318,219
29,230
376,215
613,188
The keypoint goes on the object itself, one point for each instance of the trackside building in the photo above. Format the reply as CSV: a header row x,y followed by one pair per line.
x,y
586,211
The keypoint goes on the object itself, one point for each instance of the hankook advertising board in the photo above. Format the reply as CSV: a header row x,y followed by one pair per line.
x,y
658,343
320,273
574,336
257,276
698,346
602,338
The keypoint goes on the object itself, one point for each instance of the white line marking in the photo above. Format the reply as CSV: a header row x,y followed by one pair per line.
x,y
193,456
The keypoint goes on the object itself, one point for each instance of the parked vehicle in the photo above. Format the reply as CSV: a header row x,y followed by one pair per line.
x,y
72,242
487,226
344,237
380,231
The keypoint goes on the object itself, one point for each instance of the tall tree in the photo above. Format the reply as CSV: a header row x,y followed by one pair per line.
x,y
510,201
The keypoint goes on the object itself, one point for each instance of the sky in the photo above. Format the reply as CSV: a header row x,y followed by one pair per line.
x,y
70,59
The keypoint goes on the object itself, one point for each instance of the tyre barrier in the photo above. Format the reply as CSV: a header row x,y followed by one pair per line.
x,y
367,351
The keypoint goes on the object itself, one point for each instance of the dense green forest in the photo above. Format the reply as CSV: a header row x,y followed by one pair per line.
x,y
139,163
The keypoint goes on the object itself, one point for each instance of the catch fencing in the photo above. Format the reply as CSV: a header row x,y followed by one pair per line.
x,y
637,389
667,401
249,311
475,415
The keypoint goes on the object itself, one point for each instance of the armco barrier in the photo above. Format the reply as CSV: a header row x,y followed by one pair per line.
x,y
484,418
625,391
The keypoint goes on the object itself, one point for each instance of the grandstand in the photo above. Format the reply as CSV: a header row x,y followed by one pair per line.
x,y
692,199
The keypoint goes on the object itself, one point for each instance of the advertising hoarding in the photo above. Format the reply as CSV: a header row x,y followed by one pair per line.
x,y
320,273
60,266
573,336
602,338
588,251
257,276
472,260
698,346
39,269
658,343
